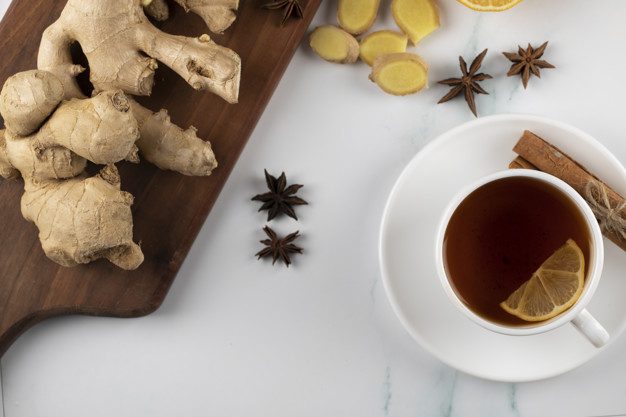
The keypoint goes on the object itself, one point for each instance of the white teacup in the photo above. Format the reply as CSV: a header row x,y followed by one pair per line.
x,y
577,314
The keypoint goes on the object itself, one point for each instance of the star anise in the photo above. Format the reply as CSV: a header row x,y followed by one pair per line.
x,y
279,198
527,61
468,82
292,7
279,248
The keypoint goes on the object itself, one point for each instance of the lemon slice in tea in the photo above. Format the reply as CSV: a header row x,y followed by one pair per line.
x,y
553,288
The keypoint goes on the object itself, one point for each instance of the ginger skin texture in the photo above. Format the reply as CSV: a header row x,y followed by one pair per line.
x,y
28,98
53,131
100,129
169,147
79,218
83,219
121,26
217,14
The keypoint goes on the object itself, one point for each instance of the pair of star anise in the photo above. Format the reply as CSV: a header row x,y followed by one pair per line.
x,y
280,199
525,63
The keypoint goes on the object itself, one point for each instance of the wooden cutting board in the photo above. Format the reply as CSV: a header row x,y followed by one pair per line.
x,y
169,208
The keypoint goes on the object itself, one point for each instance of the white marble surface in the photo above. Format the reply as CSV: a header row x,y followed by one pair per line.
x,y
240,337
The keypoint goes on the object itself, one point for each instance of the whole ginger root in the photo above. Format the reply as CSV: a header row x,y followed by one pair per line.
x,y
82,219
53,131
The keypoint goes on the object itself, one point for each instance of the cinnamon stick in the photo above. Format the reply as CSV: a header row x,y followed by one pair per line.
x,y
608,206
520,162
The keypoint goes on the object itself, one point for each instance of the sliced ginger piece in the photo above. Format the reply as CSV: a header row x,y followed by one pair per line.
x,y
553,288
357,16
400,73
334,44
380,43
416,18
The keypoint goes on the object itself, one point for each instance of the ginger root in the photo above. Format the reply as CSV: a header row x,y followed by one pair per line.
x,y
400,73
357,16
157,9
53,131
217,14
100,129
123,27
79,218
6,169
334,44
380,43
169,147
416,18
83,219
28,98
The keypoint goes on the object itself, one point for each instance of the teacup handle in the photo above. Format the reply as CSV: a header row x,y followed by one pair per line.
x,y
591,328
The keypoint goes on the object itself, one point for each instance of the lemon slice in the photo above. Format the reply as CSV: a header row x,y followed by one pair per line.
x,y
553,288
489,5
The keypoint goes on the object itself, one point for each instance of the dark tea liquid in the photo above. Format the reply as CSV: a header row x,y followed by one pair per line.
x,y
500,234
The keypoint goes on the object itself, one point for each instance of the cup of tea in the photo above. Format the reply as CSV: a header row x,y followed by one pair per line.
x,y
512,249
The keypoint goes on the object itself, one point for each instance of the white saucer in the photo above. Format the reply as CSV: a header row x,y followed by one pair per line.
x,y
407,238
